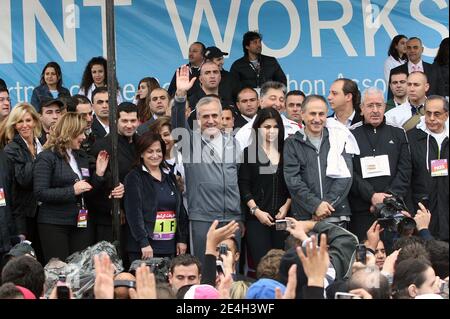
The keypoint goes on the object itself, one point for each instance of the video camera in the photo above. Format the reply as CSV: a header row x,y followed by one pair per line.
x,y
389,213
158,266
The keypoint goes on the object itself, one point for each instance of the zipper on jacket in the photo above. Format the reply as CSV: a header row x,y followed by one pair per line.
x,y
320,175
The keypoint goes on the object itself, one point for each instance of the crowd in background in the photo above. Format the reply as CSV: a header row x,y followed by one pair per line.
x,y
229,185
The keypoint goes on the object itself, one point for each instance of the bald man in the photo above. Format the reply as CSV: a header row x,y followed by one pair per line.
x,y
408,114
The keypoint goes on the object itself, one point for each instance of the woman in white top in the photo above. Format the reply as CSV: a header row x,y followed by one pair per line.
x,y
96,75
396,55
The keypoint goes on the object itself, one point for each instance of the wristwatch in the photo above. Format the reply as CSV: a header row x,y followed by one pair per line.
x,y
253,210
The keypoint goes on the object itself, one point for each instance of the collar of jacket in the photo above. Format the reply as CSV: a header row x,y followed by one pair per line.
x,y
125,139
367,125
302,138
19,140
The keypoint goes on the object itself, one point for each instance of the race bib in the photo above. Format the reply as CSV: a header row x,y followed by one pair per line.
x,y
165,226
374,166
439,168
2,198
82,218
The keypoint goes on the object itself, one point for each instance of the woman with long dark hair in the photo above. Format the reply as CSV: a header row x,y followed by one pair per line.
x,y
261,183
396,55
156,219
145,87
50,86
95,75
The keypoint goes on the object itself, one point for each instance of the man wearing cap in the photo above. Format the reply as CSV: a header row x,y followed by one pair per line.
x,y
254,69
229,85
50,113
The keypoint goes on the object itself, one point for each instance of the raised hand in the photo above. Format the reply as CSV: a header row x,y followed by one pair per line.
x,y
145,284
183,82
104,277
102,163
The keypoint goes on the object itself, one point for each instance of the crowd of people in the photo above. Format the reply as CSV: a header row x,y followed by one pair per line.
x,y
243,189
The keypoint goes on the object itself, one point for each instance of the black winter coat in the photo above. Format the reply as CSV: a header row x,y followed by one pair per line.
x,y
53,186
24,202
435,188
270,70
139,199
385,140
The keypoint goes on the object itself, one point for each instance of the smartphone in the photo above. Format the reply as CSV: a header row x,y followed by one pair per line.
x,y
62,290
361,253
281,224
345,295
223,249
219,267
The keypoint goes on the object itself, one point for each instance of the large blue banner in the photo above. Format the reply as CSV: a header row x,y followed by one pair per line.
x,y
316,41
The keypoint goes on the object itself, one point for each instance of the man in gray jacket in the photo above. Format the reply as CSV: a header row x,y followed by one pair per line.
x,y
210,158
315,193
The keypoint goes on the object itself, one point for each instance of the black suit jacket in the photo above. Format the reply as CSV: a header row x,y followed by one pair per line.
x,y
428,70
97,129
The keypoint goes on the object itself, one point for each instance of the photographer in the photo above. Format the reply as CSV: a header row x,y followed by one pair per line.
x,y
383,165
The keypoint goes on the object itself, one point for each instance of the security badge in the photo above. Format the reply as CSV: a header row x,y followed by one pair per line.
x,y
82,218
439,168
2,198
374,166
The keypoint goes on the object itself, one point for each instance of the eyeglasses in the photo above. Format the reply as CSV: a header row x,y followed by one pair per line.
x,y
3,99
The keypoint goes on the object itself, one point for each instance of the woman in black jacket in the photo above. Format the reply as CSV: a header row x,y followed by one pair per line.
x,y
21,133
157,221
50,86
261,183
61,180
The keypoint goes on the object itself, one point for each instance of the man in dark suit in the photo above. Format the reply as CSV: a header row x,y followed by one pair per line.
x,y
344,99
100,125
414,50
248,104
